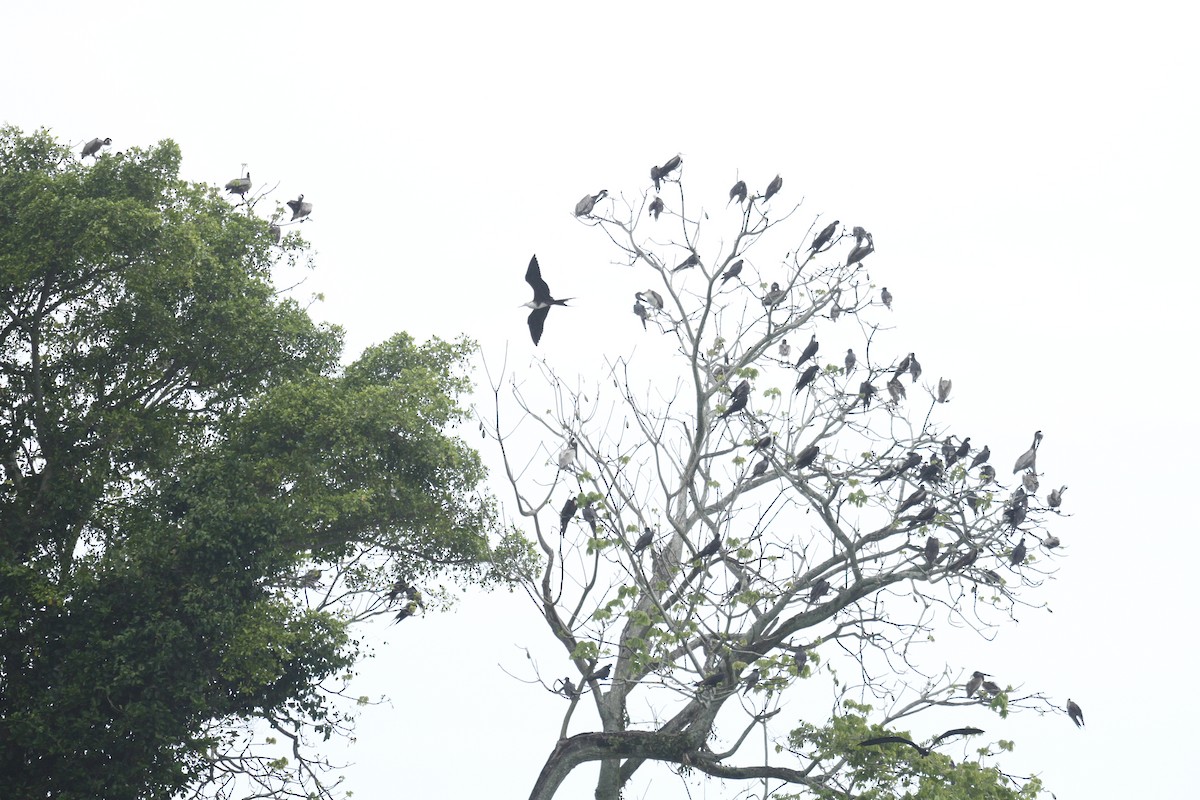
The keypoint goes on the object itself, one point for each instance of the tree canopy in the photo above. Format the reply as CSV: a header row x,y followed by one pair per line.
x,y
198,498
772,515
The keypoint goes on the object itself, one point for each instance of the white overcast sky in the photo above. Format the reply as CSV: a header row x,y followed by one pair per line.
x,y
1028,171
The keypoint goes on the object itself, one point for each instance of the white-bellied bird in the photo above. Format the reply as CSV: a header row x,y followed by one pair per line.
x,y
541,300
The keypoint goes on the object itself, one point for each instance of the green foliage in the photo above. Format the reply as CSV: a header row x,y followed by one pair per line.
x,y
178,441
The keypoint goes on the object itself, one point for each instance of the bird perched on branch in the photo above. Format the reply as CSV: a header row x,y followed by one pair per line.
x,y
658,174
773,188
584,207
914,499
819,590
1054,499
733,271
931,472
568,457
924,751
542,301
712,680
774,297
975,682
806,457
932,545
925,515
590,517
851,360
652,298
809,351
564,516
806,378
93,147
785,349
642,313
944,385
898,467
738,400
600,674
896,390
1018,554
752,679
643,541
981,457
300,208
656,207
709,549
239,186
865,392
824,236
886,297
738,192
760,468
690,261
1028,459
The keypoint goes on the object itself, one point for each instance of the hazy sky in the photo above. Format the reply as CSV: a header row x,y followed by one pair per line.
x,y
1028,173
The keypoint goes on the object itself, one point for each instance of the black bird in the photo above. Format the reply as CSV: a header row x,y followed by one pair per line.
x,y
773,188
1075,713
568,511
711,681
738,192
932,545
859,253
825,235
924,751
1030,481
1014,515
658,174
642,312
760,468
584,207
964,561
806,378
690,261
541,300
886,297
600,674
762,444
896,390
902,367
865,392
300,208
809,351
590,517
991,687
973,502
567,689
643,541
963,449
897,467
93,147
656,207
860,235
987,473
914,499
944,385
1018,553
926,515
239,186
948,450
819,590
1028,459
914,367
752,678
851,360
739,399
981,457
931,472
774,297
709,549
1054,499
733,271
651,297
806,457
1051,542
975,682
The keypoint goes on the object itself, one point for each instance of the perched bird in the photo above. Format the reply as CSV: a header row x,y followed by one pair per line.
x,y
773,188
897,467
785,349
584,207
914,499
590,517
760,468
987,473
963,450
541,300
600,674
948,450
733,271
1030,482
738,192
739,399
564,516
753,678
642,312
774,297
914,367
809,351
569,455
851,360
860,235
1075,713
944,385
239,186
925,516
651,297
981,457
819,590
824,236
1051,542
806,378
300,208
991,687
886,297
973,502
932,545
896,390
93,147
1054,499
835,311
858,253
690,261
568,689
1018,553
902,367
310,579
865,392
806,457
709,549
656,207
1028,459
643,541
975,682
711,681
762,444
276,232
964,561
931,472
658,174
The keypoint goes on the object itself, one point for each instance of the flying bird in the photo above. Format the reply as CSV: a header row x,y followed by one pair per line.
x,y
851,360
239,186
1028,459
806,378
924,751
773,188
643,541
809,351
824,236
1075,713
733,271
564,516
944,385
886,297
584,207
541,300
738,192
300,208
656,207
93,147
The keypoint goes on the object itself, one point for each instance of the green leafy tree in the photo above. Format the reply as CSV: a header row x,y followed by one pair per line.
x,y
198,500
753,531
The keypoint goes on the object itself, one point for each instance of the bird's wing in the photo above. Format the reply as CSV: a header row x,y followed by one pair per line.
x,y
957,732
537,320
541,292
891,740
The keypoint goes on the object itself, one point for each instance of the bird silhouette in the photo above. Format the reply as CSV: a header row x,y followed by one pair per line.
x,y
652,298
896,390
1028,459
712,680
642,312
975,682
738,400
824,236
925,515
1018,554
819,590
600,674
1054,499
785,349
886,297
658,174
564,516
851,360
932,545
584,207
733,271
809,351
914,499
590,517
752,679
656,207
1075,713
806,378
300,208
541,300
239,186
643,541
981,457
774,297
569,455
93,147
806,457
738,192
690,261
865,392
708,550
773,188
944,385
760,468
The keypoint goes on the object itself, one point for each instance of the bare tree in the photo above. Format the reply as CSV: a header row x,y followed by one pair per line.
x,y
755,521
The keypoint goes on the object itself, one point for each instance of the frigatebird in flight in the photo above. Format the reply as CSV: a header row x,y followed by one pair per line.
x,y
541,300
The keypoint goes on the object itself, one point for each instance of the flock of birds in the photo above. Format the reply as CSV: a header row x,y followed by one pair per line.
x,y
239,186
